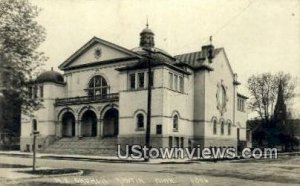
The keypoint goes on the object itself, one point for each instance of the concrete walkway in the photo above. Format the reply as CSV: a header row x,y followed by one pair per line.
x,y
92,158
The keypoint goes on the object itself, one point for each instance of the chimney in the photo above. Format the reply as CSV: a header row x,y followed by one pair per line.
x,y
208,52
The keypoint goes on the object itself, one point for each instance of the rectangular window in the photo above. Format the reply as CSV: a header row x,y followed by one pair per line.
x,y
158,129
170,141
181,84
176,82
170,80
132,81
243,105
190,144
141,80
41,91
181,142
151,78
177,141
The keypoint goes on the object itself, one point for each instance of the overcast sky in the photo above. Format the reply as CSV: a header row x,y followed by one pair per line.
x,y
258,35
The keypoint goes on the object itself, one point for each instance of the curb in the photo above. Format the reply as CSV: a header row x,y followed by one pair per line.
x,y
79,173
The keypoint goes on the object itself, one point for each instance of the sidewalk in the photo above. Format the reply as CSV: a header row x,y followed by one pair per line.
x,y
111,159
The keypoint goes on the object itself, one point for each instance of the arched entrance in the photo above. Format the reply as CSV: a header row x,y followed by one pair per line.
x,y
68,125
111,123
89,124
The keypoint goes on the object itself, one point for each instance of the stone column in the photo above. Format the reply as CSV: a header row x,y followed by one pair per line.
x,y
78,128
99,128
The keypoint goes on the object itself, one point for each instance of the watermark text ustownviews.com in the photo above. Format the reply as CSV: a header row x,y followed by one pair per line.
x,y
140,152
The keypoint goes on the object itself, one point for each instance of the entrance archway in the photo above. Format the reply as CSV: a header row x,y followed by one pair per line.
x,y
111,123
89,124
68,125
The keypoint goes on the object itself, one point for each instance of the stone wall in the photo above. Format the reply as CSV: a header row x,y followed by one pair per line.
x,y
42,142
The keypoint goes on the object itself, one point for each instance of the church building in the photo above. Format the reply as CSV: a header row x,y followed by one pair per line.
x,y
100,100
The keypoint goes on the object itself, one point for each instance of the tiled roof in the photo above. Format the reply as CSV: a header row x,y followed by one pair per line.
x,y
194,59
157,59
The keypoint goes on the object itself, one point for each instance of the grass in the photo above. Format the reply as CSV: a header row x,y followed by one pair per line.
x,y
50,171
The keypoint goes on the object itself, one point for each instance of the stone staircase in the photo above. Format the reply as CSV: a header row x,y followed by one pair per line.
x,y
85,146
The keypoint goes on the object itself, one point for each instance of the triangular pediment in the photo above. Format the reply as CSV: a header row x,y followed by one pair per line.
x,y
95,51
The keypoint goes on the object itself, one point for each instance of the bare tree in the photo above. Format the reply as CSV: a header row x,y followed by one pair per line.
x,y
263,90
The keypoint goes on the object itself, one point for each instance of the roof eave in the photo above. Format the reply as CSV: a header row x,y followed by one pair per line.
x,y
135,67
242,96
204,67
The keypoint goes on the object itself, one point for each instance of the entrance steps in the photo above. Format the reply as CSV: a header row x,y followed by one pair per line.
x,y
86,146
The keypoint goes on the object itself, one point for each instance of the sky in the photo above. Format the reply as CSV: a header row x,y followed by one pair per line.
x,y
258,35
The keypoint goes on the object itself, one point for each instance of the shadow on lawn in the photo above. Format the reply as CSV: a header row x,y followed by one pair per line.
x,y
13,166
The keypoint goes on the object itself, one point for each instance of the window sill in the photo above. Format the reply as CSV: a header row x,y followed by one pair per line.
x,y
138,89
175,130
176,91
140,129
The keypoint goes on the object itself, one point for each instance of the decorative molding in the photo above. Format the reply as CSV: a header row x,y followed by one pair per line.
x,y
97,52
222,97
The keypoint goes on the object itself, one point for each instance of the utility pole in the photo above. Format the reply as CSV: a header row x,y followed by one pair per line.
x,y
148,127
35,133
34,153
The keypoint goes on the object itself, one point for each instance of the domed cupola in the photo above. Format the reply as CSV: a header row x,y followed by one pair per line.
x,y
50,76
147,37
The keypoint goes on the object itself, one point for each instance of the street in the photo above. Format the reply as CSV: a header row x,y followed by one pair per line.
x,y
251,172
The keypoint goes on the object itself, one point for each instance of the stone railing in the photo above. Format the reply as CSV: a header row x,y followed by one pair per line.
x,y
87,99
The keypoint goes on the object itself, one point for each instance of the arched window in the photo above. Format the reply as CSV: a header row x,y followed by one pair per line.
x,y
140,121
222,128
97,86
215,127
34,125
229,128
175,122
